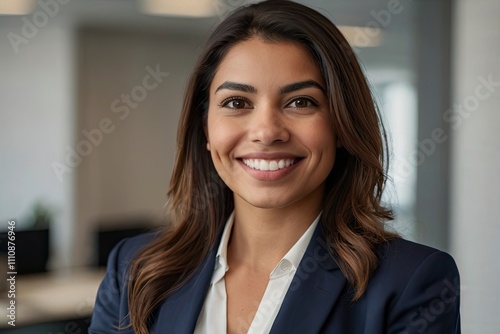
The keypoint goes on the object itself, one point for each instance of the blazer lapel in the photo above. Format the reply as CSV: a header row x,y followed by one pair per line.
x,y
179,312
314,290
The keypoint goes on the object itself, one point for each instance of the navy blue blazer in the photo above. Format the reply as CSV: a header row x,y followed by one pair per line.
x,y
414,289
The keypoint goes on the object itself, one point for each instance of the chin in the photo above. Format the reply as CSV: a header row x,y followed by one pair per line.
x,y
271,202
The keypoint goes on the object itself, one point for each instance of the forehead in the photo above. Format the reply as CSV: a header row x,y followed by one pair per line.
x,y
257,61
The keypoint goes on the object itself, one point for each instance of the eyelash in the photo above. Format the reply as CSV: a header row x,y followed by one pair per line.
x,y
225,102
309,99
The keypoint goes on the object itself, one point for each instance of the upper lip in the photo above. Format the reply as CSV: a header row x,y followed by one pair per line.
x,y
269,156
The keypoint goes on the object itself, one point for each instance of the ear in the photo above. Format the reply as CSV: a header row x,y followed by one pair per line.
x,y
205,130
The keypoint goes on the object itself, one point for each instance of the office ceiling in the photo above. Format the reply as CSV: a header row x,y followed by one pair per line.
x,y
395,54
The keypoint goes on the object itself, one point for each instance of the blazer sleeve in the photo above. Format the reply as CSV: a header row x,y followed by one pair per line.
x,y
430,301
111,309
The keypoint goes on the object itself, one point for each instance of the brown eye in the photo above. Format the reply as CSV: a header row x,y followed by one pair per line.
x,y
303,102
235,103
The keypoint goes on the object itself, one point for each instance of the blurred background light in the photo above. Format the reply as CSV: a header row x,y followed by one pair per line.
x,y
193,8
362,37
17,7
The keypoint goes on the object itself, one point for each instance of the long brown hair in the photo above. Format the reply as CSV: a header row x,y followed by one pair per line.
x,y
199,202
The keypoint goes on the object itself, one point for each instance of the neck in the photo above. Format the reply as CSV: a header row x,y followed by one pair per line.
x,y
261,237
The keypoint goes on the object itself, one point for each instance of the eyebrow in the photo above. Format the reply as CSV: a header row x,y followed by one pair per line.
x,y
236,86
283,90
301,85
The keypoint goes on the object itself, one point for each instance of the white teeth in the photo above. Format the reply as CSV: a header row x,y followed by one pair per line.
x,y
267,165
273,165
263,165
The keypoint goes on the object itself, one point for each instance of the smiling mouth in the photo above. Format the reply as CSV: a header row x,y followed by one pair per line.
x,y
270,165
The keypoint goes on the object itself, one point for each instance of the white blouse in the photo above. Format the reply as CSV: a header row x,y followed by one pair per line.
x,y
212,318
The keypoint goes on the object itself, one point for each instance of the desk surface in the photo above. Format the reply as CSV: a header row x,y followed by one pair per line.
x,y
53,296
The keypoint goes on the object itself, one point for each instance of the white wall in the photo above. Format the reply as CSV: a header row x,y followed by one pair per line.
x,y
475,191
36,122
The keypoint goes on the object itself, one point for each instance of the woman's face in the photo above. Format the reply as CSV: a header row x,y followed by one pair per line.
x,y
269,130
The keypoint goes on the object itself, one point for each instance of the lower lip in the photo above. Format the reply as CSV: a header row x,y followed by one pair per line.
x,y
269,175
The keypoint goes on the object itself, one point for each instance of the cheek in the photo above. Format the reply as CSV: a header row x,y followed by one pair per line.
x,y
321,137
223,137
323,141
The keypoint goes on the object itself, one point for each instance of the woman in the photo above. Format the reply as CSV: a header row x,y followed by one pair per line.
x,y
276,217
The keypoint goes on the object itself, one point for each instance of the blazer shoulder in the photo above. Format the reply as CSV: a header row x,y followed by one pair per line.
x,y
413,280
401,260
111,305
128,248
401,250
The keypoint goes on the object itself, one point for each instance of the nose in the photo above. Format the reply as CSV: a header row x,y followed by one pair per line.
x,y
268,126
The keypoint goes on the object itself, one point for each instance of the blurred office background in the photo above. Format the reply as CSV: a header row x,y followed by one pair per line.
x,y
91,92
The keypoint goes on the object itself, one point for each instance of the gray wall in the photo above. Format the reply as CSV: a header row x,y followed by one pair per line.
x,y
475,161
134,83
